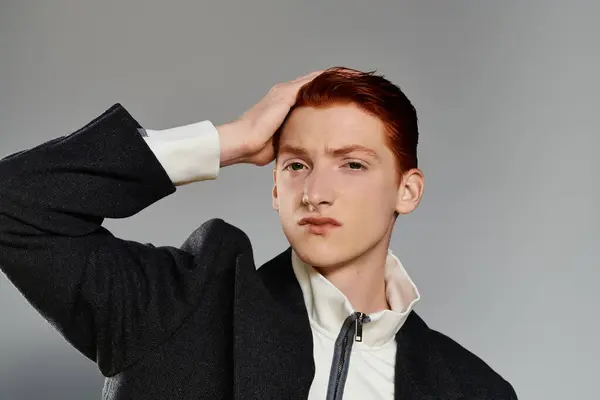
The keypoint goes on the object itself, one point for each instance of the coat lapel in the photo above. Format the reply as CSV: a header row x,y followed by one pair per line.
x,y
273,349
421,371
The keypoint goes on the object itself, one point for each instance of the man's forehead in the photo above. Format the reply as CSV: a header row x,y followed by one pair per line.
x,y
333,130
329,140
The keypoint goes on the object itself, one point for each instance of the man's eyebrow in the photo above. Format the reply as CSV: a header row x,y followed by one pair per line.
x,y
341,151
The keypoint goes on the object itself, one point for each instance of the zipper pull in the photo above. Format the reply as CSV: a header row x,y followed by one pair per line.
x,y
359,326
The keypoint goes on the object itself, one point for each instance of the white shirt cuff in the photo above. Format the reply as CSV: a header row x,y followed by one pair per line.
x,y
188,153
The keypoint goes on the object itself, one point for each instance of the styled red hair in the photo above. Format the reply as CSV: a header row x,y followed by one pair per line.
x,y
375,95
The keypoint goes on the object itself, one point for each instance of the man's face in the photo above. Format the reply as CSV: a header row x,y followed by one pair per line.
x,y
357,188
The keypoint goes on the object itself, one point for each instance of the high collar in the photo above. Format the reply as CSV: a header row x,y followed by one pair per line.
x,y
328,307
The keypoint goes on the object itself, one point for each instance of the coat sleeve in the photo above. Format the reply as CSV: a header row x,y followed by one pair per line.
x,y
112,299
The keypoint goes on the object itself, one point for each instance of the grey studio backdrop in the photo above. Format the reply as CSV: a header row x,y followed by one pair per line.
x,y
505,245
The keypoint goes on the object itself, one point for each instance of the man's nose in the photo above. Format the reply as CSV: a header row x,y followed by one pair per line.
x,y
319,187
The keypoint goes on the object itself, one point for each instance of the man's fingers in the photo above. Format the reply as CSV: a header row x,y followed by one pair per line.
x,y
288,90
308,76
295,85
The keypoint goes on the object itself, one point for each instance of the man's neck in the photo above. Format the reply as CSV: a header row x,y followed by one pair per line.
x,y
362,281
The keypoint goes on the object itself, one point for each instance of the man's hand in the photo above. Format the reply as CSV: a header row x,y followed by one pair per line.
x,y
249,138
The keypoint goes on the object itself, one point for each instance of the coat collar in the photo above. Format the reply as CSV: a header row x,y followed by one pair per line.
x,y
273,345
328,307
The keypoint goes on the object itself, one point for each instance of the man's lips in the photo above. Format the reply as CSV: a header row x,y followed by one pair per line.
x,y
319,221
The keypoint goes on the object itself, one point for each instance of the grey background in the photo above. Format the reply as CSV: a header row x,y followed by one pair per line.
x,y
504,246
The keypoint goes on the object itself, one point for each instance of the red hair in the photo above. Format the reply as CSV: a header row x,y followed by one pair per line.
x,y
375,95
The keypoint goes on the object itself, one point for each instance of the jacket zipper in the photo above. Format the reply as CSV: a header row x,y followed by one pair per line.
x,y
359,325
351,331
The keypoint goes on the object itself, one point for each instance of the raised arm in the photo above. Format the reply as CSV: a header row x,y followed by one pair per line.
x,y
114,299
110,298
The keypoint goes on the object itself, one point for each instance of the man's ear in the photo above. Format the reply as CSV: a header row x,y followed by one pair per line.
x,y
410,191
274,193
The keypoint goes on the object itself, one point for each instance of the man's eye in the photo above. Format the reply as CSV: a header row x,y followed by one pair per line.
x,y
293,165
355,165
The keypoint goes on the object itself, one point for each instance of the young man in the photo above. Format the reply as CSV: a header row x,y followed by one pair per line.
x,y
328,318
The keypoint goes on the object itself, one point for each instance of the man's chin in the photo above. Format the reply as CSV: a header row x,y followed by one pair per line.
x,y
320,255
